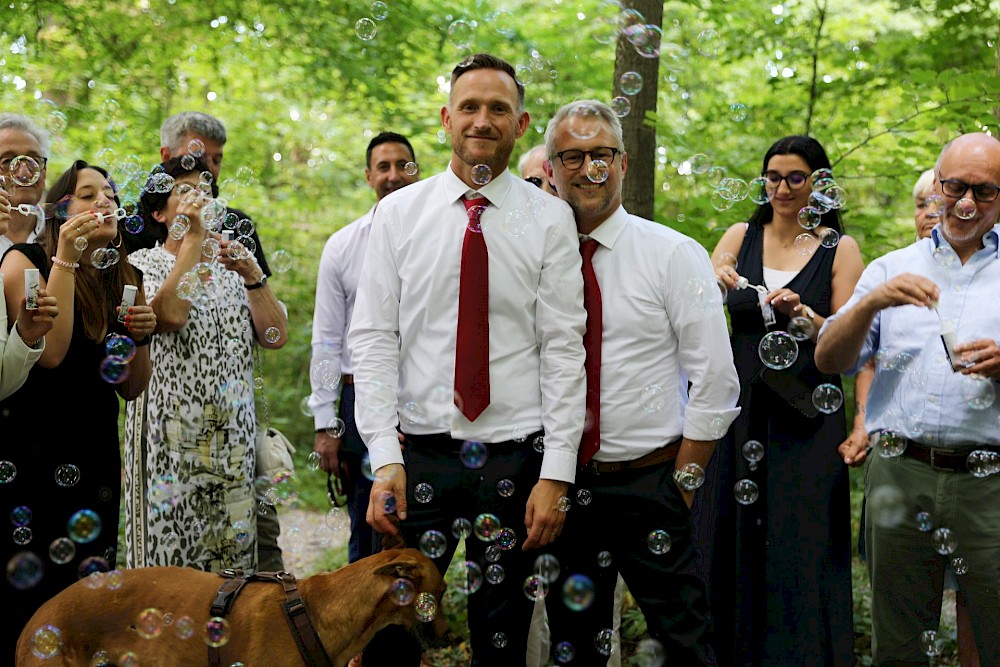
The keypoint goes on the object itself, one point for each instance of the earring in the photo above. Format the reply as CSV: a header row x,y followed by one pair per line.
x,y
118,237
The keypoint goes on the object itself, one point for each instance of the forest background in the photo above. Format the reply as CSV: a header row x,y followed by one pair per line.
x,y
302,86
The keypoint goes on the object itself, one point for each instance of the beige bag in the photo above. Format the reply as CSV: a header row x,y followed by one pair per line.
x,y
274,454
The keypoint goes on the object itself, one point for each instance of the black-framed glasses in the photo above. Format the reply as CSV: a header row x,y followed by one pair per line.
x,y
981,192
573,159
794,179
13,162
534,180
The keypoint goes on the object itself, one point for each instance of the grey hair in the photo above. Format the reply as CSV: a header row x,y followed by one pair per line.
x,y
924,184
15,121
604,113
190,122
528,156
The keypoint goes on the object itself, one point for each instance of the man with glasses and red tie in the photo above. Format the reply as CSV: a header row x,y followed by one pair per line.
x,y
661,389
468,333
24,154
933,421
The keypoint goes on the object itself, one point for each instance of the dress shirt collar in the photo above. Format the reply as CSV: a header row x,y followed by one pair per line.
x,y
991,239
495,191
609,231
366,220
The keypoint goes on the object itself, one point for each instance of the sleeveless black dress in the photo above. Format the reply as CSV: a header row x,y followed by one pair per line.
x,y
60,431
779,569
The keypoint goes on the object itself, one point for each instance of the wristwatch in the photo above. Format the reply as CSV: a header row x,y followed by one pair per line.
x,y
809,312
260,283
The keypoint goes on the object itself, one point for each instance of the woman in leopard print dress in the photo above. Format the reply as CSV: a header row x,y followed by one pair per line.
x,y
189,454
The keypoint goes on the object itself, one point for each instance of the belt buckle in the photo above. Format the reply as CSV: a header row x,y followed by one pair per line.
x,y
933,461
593,467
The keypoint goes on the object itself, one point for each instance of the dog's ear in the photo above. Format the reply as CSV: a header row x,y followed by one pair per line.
x,y
390,541
401,568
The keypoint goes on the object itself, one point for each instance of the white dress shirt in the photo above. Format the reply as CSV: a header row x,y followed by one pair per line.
x,y
336,287
404,328
658,333
16,358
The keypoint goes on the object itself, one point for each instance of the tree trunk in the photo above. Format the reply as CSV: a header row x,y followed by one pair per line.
x,y
640,138
996,109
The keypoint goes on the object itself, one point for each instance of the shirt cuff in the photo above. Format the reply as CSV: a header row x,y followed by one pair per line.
x,y
708,424
558,465
324,414
385,451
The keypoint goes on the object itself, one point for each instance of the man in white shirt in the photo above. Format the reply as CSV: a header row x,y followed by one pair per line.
x,y
468,324
20,136
662,389
390,165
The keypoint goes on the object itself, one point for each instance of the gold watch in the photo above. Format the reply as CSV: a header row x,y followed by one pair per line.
x,y
809,312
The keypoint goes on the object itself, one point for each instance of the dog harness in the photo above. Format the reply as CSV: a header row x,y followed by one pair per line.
x,y
295,613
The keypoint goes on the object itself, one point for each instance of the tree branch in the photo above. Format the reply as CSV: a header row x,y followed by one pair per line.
x,y
813,94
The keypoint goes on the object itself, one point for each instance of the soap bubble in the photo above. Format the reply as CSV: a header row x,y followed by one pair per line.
x,y
746,491
829,238
411,168
433,544
578,592
978,391
583,122
945,541
809,217
379,10
597,171
690,476
658,541
934,206
801,328
753,452
473,454
621,106
365,29
887,505
965,209
630,82
481,174
778,350
827,398
461,34
806,243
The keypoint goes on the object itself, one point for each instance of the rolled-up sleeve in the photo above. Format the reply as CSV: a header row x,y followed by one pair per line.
x,y
703,346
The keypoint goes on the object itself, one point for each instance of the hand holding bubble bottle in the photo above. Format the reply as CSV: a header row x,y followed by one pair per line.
x,y
729,279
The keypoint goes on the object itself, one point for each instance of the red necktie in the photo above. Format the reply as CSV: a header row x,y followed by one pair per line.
x,y
472,347
591,441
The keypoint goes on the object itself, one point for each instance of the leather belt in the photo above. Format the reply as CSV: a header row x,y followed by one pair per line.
x,y
664,454
347,379
943,459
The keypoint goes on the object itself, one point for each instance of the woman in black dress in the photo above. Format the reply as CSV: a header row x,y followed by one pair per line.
x,y
777,549
60,458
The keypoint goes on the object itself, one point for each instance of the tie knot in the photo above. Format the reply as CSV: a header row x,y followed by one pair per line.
x,y
587,248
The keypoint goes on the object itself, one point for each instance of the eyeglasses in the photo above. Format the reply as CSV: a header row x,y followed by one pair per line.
x,y
13,162
573,159
534,180
795,179
982,192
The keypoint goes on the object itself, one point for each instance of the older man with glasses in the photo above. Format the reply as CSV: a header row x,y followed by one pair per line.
x,y
933,419
24,155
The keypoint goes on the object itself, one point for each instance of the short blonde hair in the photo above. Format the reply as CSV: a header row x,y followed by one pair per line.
x,y
924,184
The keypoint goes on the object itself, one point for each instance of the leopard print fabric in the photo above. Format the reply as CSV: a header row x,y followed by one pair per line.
x,y
189,454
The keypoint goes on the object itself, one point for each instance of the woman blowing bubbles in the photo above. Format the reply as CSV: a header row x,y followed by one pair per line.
x,y
62,426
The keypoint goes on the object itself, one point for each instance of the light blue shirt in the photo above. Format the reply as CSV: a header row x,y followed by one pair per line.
x,y
915,392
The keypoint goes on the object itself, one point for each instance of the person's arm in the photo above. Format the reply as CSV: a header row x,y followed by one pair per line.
x,y
269,321
374,341
705,355
141,323
729,247
329,324
560,321
854,450
61,284
171,310
843,336
19,353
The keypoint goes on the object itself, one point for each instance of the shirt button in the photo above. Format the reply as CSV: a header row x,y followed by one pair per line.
x,y
932,398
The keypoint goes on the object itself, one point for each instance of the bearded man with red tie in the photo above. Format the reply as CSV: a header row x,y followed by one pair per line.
x,y
468,335
661,389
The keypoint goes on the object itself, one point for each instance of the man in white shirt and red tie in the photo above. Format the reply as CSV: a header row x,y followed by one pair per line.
x,y
390,165
661,389
468,333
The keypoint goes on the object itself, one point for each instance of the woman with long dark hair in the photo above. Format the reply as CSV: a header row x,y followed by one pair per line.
x,y
775,527
61,449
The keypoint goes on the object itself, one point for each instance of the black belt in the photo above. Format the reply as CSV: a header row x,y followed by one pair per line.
x,y
943,459
664,454
446,441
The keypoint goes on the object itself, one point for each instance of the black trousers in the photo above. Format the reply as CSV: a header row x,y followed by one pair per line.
x,y
357,487
611,534
499,613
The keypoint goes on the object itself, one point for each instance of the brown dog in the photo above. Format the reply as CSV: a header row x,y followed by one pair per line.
x,y
346,607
